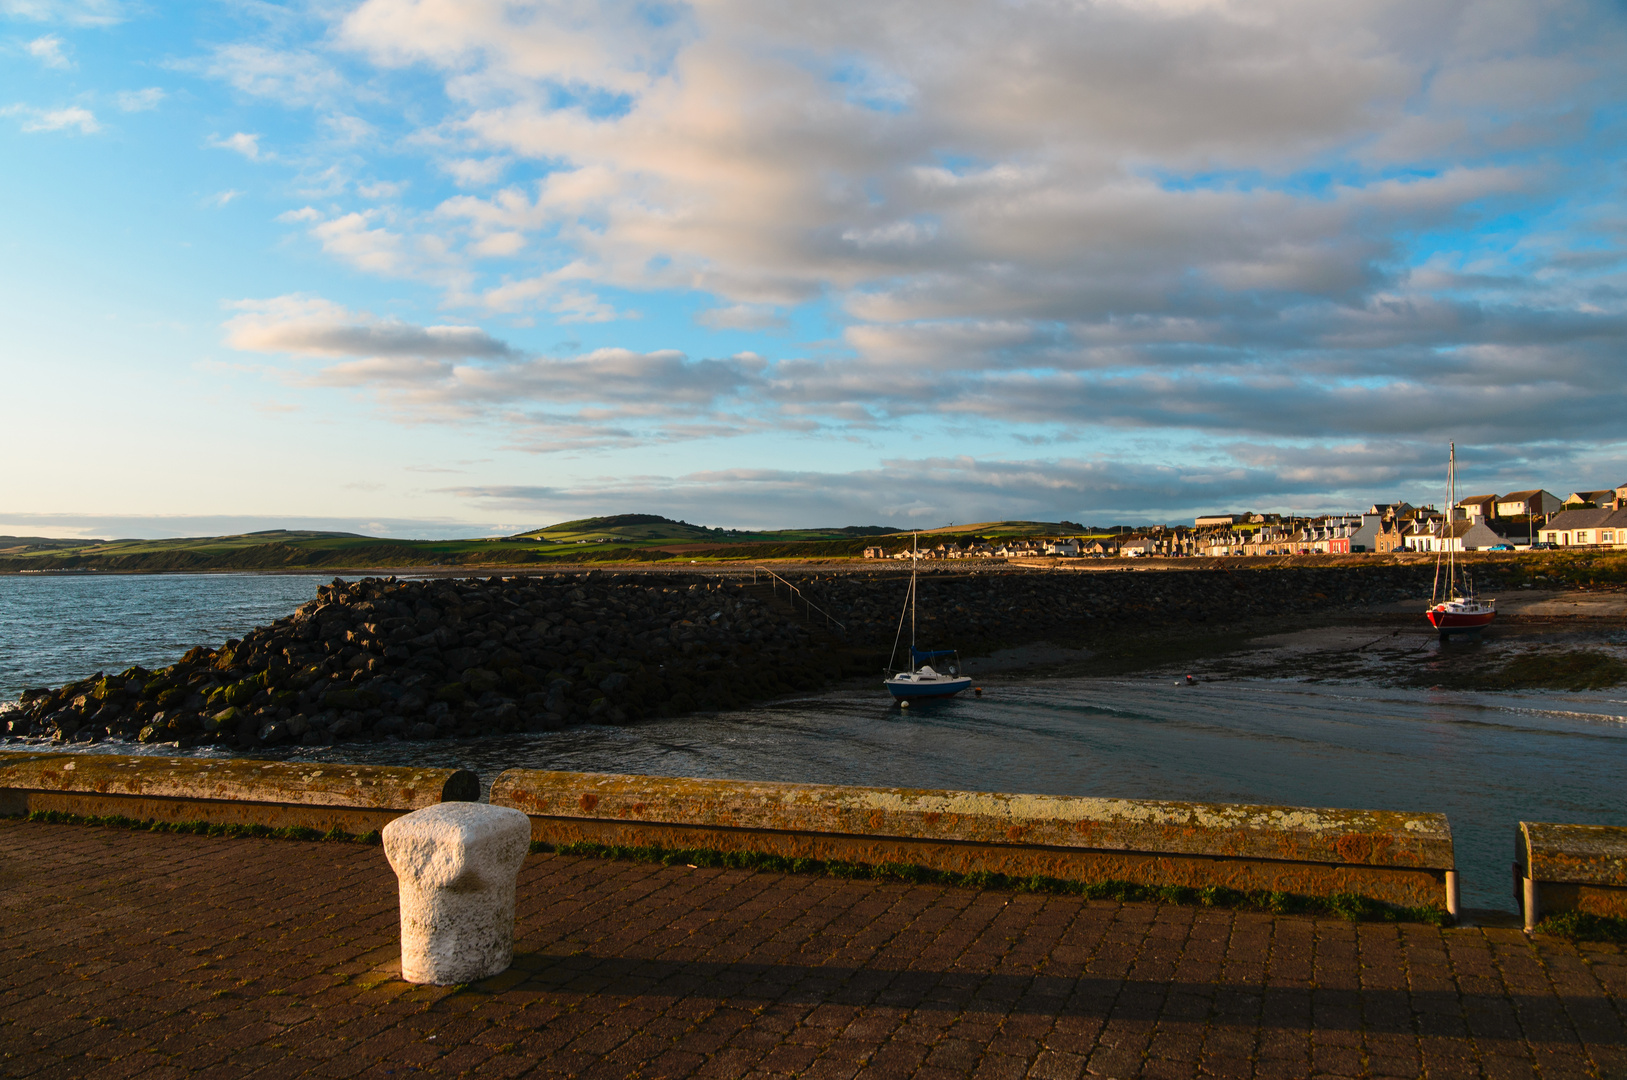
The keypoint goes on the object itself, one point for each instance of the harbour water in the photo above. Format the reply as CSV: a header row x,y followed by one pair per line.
x,y
1486,760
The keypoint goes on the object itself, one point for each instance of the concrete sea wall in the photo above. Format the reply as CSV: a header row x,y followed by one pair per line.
x,y
1398,858
1560,868
1404,859
232,791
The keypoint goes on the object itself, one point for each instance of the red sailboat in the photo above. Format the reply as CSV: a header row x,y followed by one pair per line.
x,y
1454,611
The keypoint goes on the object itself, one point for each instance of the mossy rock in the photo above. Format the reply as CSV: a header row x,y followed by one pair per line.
x,y
481,680
452,693
350,697
172,697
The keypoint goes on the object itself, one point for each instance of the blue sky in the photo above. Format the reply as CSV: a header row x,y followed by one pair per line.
x,y
409,267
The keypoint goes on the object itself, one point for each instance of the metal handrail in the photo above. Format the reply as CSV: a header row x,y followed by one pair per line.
x,y
811,606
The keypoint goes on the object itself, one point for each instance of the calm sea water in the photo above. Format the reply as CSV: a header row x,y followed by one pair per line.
x,y
1486,760
57,628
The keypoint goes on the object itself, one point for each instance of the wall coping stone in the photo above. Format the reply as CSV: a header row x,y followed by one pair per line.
x,y
1579,854
301,783
1286,833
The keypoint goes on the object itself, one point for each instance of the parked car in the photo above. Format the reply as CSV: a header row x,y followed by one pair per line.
x,y
1542,545
1501,547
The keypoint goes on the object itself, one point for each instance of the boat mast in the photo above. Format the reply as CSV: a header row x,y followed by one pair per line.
x,y
1451,523
915,564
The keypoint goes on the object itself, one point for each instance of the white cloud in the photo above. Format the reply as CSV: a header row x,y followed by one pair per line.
x,y
54,119
70,12
346,128
48,51
381,189
602,397
139,100
242,143
221,198
304,213
310,326
743,317
475,172
289,77
379,250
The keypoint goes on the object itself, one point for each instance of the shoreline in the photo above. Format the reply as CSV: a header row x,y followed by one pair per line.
x,y
430,658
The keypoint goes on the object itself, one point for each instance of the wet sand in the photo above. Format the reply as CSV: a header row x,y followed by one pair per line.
x,y
1388,644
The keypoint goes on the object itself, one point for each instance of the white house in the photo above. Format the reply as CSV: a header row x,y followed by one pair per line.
x,y
1587,528
1526,503
1473,535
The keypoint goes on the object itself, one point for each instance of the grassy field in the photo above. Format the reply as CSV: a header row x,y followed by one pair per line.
x,y
620,538
644,538
624,538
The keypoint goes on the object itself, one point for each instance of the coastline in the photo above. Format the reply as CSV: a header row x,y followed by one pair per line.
x,y
440,657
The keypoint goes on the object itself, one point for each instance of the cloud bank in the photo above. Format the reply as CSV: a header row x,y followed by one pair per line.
x,y
1224,221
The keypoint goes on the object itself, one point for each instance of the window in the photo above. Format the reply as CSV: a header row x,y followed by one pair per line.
x,y
1608,536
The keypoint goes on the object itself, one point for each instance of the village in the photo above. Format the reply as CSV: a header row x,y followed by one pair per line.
x,y
1518,521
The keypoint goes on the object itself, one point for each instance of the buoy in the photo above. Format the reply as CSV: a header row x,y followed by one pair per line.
x,y
978,690
903,704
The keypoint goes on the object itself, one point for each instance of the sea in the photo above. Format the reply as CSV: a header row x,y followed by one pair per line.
x,y
1487,760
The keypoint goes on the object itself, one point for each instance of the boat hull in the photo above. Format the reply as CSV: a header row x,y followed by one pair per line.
x,y
933,688
1458,622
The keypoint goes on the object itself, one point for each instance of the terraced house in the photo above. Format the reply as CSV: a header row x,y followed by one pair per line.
x,y
1605,527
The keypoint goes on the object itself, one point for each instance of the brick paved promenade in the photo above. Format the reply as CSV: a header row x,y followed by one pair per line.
x,y
132,954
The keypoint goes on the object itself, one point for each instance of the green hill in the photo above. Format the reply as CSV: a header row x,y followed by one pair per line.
x,y
615,538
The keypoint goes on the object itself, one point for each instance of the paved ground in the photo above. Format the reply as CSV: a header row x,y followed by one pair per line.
x,y
133,954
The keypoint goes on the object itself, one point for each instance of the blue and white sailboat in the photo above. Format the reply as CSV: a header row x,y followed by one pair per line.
x,y
923,680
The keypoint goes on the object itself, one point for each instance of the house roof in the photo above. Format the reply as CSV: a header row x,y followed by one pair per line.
x,y
1476,499
1592,496
1522,495
1585,519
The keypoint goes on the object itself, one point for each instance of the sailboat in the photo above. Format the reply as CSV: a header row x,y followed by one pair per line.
x,y
922,680
1452,611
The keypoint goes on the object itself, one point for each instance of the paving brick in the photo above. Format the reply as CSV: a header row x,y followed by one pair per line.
x,y
182,956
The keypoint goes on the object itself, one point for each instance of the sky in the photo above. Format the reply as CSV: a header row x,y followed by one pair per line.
x,y
433,268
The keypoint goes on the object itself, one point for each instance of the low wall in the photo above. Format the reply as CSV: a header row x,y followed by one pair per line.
x,y
1570,868
1399,858
227,791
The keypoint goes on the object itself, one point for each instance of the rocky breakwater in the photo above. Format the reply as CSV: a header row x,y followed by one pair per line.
x,y
980,610
377,659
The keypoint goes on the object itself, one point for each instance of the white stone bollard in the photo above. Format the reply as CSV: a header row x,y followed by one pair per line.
x,y
457,863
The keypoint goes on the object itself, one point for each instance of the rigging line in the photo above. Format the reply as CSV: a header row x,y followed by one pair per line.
x,y
908,595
